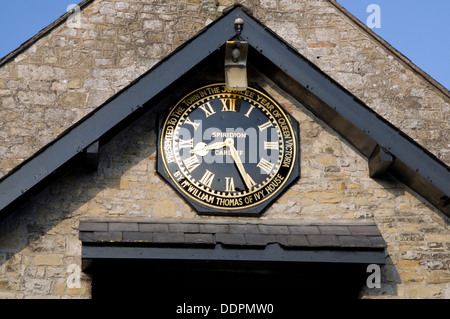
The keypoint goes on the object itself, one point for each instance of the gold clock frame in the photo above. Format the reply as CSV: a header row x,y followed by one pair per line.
x,y
255,96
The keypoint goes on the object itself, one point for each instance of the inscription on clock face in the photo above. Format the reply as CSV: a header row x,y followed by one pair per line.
x,y
228,151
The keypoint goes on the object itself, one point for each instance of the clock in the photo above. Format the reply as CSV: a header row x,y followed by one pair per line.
x,y
228,152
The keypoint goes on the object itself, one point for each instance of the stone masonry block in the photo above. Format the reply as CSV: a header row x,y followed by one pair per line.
x,y
87,237
214,228
323,240
107,236
354,241
244,229
334,230
168,238
192,238
304,229
48,260
133,236
364,230
377,241
93,226
123,227
260,239
230,239
293,240
160,228
273,229
185,228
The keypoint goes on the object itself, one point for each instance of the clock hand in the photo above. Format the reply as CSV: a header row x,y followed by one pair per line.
x,y
237,160
201,149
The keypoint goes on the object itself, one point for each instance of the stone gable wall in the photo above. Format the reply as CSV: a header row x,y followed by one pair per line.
x,y
71,71
40,242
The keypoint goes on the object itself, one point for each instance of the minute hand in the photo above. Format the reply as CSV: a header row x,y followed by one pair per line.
x,y
237,160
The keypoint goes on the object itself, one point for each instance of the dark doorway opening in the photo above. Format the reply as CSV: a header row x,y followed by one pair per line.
x,y
212,282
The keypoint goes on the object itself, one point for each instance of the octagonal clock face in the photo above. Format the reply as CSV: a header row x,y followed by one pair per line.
x,y
228,152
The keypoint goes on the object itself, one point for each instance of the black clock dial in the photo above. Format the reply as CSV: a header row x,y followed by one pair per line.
x,y
228,150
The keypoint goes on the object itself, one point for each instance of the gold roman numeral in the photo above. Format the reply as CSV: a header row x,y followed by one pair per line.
x,y
229,184
188,121
265,165
229,105
207,178
270,145
262,127
249,110
207,108
191,163
186,143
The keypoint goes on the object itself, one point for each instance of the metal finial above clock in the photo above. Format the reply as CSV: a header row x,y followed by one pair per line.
x,y
236,60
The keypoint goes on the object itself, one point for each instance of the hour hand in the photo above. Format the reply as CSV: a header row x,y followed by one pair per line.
x,y
201,149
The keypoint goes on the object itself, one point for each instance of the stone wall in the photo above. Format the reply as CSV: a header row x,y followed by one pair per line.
x,y
71,71
40,241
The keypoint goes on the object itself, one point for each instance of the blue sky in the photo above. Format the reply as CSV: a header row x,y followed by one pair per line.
x,y
22,19
419,29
